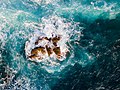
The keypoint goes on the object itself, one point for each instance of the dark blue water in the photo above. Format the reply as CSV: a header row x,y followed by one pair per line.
x,y
94,43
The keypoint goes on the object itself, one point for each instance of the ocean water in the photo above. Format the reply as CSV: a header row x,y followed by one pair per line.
x,y
92,28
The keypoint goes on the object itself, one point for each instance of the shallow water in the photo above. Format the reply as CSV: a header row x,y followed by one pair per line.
x,y
93,33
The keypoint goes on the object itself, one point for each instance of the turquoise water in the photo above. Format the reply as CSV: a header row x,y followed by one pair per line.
x,y
94,38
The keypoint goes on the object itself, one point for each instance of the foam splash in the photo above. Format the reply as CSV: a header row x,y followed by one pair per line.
x,y
49,26
59,26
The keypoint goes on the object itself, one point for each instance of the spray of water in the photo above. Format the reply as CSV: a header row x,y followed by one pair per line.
x,y
57,25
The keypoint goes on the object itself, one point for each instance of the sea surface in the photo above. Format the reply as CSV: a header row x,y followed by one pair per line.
x,y
93,28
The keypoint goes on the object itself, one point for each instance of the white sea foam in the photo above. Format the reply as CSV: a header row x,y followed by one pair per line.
x,y
60,26
49,26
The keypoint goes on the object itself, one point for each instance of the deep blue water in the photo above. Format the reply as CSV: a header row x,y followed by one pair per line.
x,y
94,59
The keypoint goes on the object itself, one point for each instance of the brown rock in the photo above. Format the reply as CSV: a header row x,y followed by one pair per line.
x,y
49,50
39,39
42,49
46,38
36,43
55,40
33,56
57,51
34,51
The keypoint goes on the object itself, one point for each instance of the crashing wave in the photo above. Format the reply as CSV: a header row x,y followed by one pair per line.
x,y
48,44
